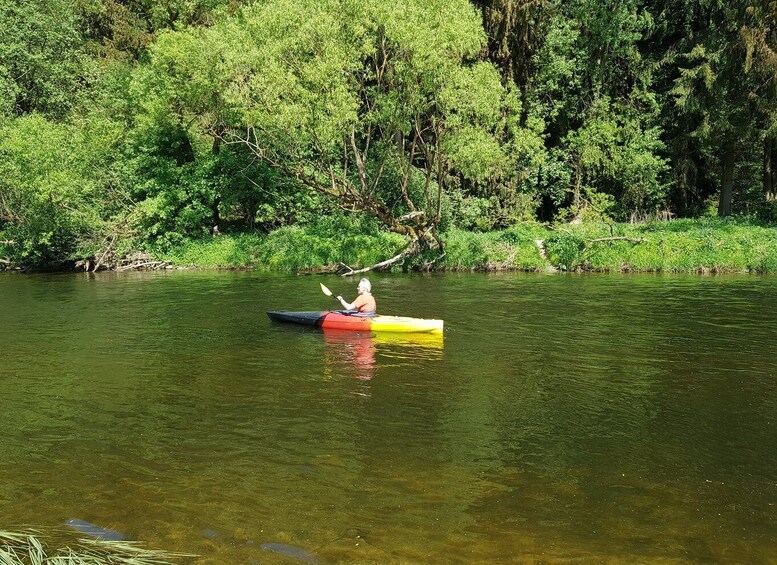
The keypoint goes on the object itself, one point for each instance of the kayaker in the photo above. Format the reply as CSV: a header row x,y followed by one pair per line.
x,y
365,302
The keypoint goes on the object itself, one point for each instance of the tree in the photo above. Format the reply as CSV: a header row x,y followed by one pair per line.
x,y
57,200
377,106
714,83
613,153
42,62
123,29
516,32
593,91
759,34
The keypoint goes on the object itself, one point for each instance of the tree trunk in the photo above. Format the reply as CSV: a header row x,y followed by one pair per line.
x,y
215,209
770,144
724,206
770,148
576,193
216,150
770,169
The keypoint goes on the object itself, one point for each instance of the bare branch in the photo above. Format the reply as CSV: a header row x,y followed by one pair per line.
x,y
359,162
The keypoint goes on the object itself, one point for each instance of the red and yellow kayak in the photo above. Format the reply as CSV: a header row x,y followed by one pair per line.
x,y
344,320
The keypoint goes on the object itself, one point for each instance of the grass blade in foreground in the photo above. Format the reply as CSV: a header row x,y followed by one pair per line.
x,y
26,548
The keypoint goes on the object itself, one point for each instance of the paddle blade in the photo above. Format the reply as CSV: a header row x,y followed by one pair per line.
x,y
325,290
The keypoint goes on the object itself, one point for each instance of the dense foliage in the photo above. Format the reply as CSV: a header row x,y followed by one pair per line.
x,y
131,124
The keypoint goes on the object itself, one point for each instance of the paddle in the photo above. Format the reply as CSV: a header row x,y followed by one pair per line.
x,y
328,292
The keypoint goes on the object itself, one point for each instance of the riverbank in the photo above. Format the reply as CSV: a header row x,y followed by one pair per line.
x,y
708,245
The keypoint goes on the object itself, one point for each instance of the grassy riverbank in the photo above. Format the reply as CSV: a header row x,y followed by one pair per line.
x,y
708,245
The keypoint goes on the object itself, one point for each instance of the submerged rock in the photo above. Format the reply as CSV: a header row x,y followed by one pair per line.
x,y
95,531
291,551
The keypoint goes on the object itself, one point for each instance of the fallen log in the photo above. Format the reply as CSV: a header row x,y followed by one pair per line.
x,y
427,265
149,265
631,239
412,249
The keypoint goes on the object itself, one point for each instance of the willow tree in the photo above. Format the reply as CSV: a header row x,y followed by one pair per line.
x,y
376,105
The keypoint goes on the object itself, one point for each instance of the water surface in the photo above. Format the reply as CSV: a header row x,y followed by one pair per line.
x,y
560,419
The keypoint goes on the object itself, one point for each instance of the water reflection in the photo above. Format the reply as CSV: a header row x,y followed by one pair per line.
x,y
361,354
410,345
349,352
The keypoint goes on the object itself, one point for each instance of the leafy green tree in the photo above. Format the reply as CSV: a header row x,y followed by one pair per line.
x,y
516,32
372,104
593,90
251,195
57,200
185,180
42,61
612,153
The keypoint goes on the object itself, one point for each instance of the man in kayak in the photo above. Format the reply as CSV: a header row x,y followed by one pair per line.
x,y
365,302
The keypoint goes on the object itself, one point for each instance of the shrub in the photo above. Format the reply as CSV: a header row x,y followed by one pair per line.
x,y
564,251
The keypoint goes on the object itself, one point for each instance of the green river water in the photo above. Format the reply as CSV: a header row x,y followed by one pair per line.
x,y
561,419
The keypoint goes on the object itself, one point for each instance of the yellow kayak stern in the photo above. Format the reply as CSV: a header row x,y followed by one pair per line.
x,y
404,324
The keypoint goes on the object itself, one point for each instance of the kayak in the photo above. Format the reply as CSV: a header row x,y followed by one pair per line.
x,y
347,320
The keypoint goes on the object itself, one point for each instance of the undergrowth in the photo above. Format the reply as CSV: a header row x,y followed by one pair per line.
x,y
707,245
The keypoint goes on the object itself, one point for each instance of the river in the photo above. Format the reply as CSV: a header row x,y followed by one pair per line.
x,y
560,419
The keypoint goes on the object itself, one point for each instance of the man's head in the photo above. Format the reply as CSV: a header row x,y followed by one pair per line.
x,y
364,286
